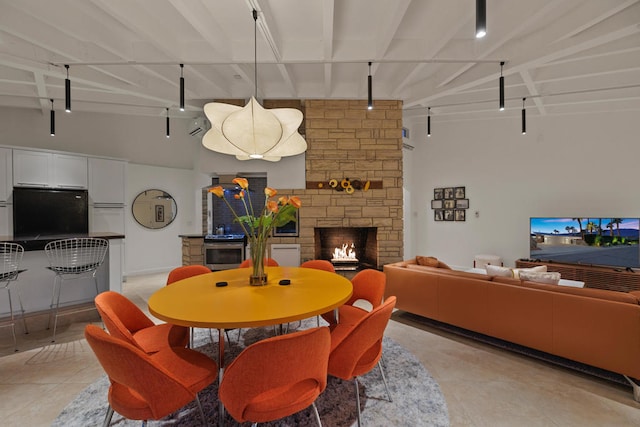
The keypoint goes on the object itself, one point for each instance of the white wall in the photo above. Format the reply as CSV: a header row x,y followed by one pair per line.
x,y
582,165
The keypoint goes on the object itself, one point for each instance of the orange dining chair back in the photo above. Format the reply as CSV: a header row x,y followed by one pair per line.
x,y
126,321
268,262
319,264
277,377
356,349
147,386
368,286
185,272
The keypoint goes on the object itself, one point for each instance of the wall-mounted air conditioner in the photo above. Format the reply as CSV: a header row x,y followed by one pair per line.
x,y
199,126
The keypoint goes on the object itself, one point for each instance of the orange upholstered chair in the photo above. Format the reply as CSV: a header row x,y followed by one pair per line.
x,y
368,285
185,272
356,349
277,377
319,264
126,321
268,262
144,386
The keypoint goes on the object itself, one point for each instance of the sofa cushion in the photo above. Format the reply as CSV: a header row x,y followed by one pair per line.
x,y
536,269
496,270
549,277
430,261
447,271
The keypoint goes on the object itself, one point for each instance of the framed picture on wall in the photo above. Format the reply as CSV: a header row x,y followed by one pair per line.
x,y
459,192
462,204
448,215
438,193
460,214
436,204
448,193
438,215
449,204
159,213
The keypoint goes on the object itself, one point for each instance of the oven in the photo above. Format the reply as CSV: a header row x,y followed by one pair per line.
x,y
222,252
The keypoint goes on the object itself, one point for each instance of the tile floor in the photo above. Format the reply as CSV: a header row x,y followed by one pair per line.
x,y
483,385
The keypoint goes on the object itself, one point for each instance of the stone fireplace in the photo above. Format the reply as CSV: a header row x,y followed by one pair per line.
x,y
360,242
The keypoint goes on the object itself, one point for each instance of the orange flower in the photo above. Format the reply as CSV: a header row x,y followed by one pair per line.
x,y
270,192
239,196
272,206
242,182
283,200
218,191
295,201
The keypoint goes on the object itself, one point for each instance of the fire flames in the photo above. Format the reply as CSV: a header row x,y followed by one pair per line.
x,y
346,253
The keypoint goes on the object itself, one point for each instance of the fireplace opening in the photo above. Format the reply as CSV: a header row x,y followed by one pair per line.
x,y
347,248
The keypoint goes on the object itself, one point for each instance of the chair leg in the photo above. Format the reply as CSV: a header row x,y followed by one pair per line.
x,y
13,322
204,420
24,321
55,322
355,381
315,410
107,419
384,380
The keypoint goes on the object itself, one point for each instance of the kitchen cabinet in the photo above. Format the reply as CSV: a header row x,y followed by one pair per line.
x,y
106,219
44,169
107,181
5,220
6,174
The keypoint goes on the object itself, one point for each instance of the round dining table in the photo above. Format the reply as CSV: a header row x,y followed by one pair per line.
x,y
225,300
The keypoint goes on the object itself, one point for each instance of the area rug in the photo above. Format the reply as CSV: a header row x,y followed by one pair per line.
x,y
417,399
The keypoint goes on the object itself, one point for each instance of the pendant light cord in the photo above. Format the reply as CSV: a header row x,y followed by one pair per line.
x,y
255,50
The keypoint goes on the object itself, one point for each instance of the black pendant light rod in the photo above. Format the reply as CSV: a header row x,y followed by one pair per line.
x,y
524,117
168,131
501,87
255,50
428,122
370,89
52,120
67,91
181,87
481,18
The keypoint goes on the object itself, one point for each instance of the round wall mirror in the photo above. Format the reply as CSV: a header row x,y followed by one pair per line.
x,y
154,209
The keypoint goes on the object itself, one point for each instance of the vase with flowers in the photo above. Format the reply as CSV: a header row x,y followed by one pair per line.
x,y
257,228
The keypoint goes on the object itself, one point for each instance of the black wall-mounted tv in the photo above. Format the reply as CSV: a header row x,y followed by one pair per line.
x,y
588,241
42,212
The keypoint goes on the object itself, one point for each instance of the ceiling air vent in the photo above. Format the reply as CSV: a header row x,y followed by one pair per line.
x,y
199,126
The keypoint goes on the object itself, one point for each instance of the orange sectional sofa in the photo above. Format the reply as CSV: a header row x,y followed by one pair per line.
x,y
596,327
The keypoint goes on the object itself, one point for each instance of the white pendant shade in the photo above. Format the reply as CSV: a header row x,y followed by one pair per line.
x,y
253,132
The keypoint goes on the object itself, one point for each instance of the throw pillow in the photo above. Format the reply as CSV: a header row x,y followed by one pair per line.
x,y
497,270
443,265
538,269
551,278
427,261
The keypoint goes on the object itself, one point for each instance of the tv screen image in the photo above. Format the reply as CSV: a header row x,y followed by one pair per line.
x,y
41,212
590,241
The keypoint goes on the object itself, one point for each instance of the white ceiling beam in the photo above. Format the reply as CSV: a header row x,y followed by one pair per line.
x,y
328,10
533,91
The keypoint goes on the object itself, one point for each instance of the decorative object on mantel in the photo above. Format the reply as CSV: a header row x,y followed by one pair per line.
x,y
345,184
449,204
253,132
258,228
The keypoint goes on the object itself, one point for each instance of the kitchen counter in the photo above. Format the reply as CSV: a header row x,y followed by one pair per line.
x,y
37,243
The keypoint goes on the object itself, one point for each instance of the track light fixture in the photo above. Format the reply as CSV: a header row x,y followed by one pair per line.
x,y
501,87
481,18
52,120
67,91
181,87
428,122
524,118
370,90
168,131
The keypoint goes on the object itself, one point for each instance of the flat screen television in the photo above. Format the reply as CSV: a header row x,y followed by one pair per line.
x,y
588,241
42,212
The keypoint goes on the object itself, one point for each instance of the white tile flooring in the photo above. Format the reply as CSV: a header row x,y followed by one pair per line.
x,y
483,385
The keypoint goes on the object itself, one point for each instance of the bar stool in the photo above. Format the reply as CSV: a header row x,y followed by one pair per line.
x,y
72,259
10,258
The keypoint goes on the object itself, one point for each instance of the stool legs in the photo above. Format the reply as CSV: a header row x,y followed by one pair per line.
x,y
55,297
12,316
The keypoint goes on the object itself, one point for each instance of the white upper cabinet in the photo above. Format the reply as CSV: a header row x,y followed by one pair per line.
x,y
107,181
6,173
43,169
70,171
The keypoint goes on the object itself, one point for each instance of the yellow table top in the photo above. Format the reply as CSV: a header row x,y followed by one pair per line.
x,y
197,301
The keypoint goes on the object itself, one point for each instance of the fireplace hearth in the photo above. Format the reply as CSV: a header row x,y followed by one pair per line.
x,y
347,248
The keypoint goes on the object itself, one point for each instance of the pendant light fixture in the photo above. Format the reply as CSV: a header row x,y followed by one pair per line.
x,y
428,122
52,120
253,132
524,118
67,92
481,18
168,130
370,90
181,87
501,87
